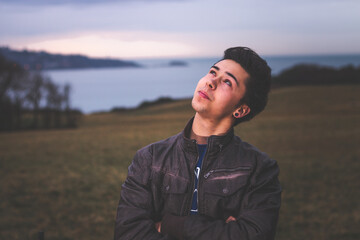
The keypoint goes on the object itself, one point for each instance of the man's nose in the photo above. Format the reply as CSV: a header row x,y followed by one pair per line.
x,y
213,82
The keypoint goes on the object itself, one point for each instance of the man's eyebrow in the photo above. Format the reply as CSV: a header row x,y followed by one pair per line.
x,y
231,75
216,67
237,83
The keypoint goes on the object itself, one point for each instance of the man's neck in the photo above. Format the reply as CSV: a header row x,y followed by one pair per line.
x,y
203,128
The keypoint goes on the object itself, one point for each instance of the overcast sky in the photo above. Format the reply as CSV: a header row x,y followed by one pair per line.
x,y
180,28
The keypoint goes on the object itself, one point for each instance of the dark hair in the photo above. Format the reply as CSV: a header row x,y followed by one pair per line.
x,y
257,85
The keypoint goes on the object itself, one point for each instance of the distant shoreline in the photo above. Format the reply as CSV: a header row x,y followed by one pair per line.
x,y
41,60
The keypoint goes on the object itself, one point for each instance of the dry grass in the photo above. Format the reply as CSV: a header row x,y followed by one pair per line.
x,y
67,182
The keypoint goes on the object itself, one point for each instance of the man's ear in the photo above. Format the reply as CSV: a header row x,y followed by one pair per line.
x,y
241,111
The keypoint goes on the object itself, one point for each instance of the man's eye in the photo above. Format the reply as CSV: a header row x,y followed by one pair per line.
x,y
213,72
228,82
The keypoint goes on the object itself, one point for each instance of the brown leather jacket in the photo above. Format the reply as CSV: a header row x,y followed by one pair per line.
x,y
236,179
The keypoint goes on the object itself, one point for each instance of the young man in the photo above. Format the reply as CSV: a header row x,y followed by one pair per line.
x,y
206,183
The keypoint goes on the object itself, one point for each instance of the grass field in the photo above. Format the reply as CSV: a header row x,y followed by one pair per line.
x,y
67,182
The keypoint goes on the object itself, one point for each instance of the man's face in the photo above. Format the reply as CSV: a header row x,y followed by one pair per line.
x,y
219,92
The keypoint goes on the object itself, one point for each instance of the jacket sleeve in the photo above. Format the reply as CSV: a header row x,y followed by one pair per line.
x,y
134,219
257,218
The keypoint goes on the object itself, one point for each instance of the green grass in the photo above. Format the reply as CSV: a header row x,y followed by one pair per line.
x,y
67,182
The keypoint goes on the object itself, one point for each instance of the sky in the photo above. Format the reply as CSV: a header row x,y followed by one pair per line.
x,y
131,29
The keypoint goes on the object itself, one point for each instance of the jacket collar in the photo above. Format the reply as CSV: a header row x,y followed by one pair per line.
x,y
215,143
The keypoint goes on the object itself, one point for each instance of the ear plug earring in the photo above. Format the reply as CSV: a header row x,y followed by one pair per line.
x,y
236,114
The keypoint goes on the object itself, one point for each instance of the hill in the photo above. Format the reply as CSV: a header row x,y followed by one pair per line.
x,y
312,74
33,60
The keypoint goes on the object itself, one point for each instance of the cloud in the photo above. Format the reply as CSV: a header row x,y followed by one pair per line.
x,y
116,44
205,27
176,17
72,2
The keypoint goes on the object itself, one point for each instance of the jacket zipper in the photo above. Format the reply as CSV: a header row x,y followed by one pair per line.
x,y
206,175
191,195
199,180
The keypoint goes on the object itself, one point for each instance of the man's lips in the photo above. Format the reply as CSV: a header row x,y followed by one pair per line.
x,y
203,95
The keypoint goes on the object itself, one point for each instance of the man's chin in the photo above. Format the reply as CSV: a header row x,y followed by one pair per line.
x,y
197,106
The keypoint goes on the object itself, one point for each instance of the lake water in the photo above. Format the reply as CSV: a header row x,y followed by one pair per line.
x,y
102,89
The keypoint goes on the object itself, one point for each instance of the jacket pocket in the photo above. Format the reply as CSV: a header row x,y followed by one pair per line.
x,y
174,190
224,190
174,184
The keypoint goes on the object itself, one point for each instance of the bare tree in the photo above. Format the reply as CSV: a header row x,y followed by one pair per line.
x,y
34,95
54,101
11,94
17,95
68,113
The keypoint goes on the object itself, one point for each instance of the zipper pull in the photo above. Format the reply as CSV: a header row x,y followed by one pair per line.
x,y
208,174
221,147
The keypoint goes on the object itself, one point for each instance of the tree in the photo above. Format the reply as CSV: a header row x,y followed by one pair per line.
x,y
34,95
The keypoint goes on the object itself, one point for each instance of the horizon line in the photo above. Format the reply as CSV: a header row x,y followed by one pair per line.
x,y
185,57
